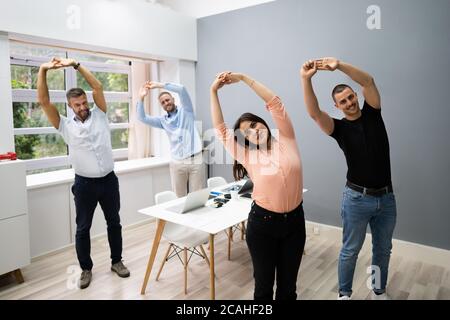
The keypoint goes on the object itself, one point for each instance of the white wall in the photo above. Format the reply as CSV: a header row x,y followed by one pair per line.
x,y
131,26
6,124
187,78
202,8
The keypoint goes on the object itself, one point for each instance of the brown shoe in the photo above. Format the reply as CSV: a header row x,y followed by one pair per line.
x,y
85,279
120,269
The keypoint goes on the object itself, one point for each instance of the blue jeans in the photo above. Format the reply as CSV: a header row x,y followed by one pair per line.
x,y
359,210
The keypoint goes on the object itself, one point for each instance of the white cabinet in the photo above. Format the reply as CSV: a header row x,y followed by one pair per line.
x,y
49,218
14,230
52,211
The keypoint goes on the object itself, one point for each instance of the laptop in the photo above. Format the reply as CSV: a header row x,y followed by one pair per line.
x,y
194,200
247,186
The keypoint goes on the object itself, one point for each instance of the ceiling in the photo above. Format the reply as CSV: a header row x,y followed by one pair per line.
x,y
203,8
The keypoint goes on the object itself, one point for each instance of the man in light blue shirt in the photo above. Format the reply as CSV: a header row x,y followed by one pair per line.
x,y
185,143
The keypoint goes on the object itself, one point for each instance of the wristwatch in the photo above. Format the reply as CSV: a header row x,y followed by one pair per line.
x,y
76,66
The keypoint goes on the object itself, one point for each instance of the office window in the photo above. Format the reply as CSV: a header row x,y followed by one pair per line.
x,y
36,141
115,82
25,77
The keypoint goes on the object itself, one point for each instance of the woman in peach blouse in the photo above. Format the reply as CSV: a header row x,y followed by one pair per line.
x,y
276,223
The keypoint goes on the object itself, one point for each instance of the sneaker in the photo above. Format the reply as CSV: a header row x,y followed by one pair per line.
x,y
85,279
344,297
382,296
120,269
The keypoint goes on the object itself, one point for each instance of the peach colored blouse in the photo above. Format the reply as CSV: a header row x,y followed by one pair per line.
x,y
276,173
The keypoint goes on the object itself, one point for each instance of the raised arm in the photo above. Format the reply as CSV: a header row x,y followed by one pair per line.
x,y
142,116
261,90
224,134
185,99
97,88
216,110
323,120
273,103
365,80
43,96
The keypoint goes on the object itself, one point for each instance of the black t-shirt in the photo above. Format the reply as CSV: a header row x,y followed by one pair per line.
x,y
366,147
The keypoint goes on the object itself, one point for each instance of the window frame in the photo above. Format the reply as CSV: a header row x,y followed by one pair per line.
x,y
59,96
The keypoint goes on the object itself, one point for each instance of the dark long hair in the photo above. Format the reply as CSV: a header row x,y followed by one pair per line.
x,y
239,172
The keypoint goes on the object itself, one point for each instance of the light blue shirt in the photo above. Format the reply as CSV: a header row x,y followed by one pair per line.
x,y
179,124
90,151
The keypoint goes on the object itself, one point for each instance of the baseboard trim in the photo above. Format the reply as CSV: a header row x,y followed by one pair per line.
x,y
406,249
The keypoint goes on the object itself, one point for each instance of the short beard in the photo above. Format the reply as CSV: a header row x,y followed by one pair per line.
x,y
88,112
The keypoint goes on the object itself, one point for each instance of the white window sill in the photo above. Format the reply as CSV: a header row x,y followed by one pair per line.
x,y
47,179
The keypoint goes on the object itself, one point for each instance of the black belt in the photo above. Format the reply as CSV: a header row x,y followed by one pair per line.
x,y
370,191
112,173
260,211
195,154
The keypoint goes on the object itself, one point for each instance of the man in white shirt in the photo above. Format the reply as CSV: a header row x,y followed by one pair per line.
x,y
88,136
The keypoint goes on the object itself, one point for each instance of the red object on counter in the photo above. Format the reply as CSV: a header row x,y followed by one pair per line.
x,y
8,156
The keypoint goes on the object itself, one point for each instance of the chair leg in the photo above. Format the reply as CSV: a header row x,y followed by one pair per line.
x,y
185,270
230,231
204,254
242,230
229,243
164,261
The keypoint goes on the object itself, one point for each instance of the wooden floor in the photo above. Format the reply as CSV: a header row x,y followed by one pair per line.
x,y
53,277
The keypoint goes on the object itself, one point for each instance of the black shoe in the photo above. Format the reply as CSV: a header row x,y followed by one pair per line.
x,y
85,279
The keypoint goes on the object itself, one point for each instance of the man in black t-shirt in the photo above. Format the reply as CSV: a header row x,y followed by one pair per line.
x,y
368,198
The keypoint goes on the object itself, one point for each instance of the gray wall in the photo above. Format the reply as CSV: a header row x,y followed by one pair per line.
x,y
410,61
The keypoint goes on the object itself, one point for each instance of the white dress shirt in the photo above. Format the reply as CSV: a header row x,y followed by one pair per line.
x,y
90,151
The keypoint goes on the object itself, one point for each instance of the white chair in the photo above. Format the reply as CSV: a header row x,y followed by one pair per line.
x,y
215,182
181,239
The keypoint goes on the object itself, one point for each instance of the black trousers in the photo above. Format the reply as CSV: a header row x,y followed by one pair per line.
x,y
276,242
87,193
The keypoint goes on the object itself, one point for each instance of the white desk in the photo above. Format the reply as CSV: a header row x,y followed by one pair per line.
x,y
207,219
